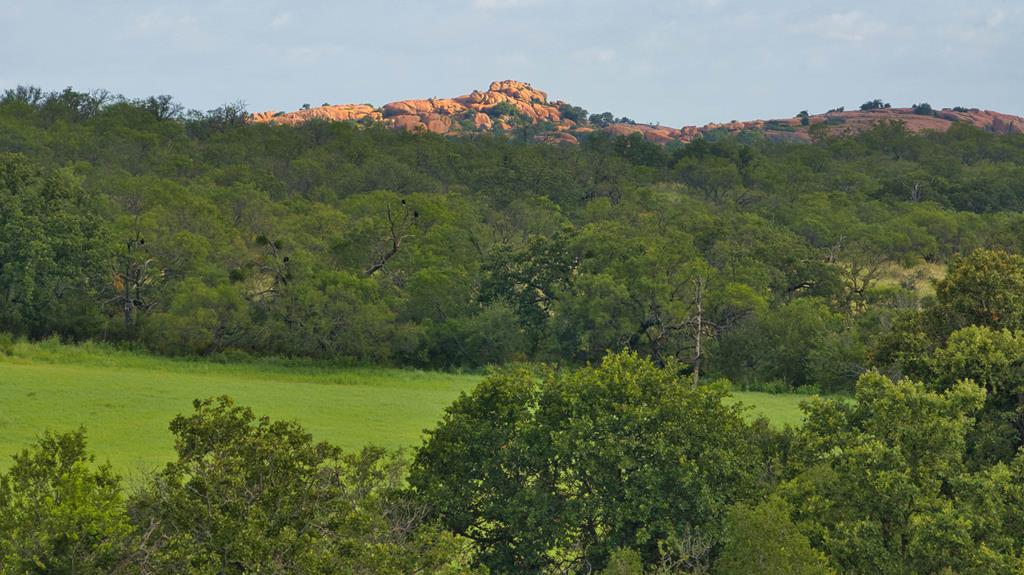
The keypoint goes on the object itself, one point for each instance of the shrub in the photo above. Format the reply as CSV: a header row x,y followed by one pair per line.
x,y
250,495
6,343
875,105
923,109
624,562
59,514
574,113
774,386
502,109
809,389
779,126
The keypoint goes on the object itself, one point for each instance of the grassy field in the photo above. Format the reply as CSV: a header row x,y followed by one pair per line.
x,y
126,400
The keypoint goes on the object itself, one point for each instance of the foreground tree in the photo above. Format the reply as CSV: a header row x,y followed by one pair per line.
x,y
973,332
250,495
882,485
557,475
59,513
993,360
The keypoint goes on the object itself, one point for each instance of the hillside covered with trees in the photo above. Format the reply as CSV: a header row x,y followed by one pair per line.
x,y
194,233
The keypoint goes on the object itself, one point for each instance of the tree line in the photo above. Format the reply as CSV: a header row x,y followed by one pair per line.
x,y
775,265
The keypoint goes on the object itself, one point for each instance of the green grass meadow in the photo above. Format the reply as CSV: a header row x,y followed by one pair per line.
x,y
126,400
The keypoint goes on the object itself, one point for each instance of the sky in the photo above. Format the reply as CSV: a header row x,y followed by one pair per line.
x,y
681,62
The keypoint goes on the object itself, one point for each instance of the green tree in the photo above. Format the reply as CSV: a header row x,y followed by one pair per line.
x,y
530,279
764,539
882,484
247,495
573,113
981,289
993,360
623,455
624,562
199,320
802,342
329,314
59,513
51,251
984,288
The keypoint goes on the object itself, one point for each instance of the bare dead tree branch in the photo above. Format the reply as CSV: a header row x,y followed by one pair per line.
x,y
398,231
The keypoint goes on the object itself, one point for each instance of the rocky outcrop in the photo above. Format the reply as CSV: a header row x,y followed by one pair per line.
x,y
992,121
504,105
338,113
557,138
482,121
508,105
853,122
656,134
446,106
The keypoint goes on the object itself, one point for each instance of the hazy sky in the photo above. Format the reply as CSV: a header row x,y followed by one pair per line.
x,y
674,62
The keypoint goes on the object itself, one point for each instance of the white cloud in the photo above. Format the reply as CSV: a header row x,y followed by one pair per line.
x,y
499,4
996,18
281,20
982,29
707,3
850,26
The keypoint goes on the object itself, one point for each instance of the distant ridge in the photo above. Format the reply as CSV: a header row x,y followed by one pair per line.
x,y
510,106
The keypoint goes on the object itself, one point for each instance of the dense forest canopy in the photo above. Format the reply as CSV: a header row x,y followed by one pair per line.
x,y
194,233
